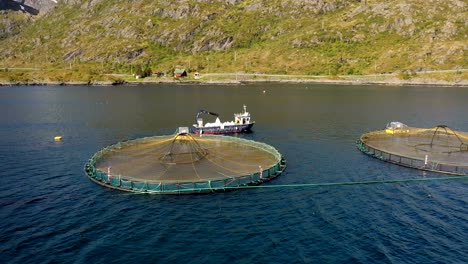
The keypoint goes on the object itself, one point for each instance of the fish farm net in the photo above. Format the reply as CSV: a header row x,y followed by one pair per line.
x,y
184,163
438,149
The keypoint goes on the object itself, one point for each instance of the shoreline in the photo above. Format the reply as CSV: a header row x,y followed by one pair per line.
x,y
384,82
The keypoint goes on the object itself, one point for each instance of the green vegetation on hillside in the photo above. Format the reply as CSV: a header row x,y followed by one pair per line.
x,y
88,40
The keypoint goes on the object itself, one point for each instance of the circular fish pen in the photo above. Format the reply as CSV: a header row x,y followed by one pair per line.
x,y
438,149
184,164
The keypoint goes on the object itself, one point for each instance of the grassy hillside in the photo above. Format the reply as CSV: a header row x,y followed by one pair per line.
x,y
11,23
312,37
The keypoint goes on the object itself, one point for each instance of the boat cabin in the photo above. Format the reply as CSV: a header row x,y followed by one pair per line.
x,y
242,118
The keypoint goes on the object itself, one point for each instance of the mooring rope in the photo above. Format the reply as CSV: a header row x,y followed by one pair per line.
x,y
462,177
300,185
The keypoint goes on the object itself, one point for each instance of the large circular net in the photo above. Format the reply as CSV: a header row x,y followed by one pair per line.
x,y
184,162
440,148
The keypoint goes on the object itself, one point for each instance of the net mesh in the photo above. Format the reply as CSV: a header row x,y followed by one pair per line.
x,y
183,149
184,161
440,148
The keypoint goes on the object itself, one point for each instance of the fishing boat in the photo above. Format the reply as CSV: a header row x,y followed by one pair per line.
x,y
241,123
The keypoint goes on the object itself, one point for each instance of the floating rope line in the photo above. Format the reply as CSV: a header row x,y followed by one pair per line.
x,y
355,183
300,185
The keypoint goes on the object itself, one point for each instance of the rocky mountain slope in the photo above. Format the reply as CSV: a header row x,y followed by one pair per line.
x,y
316,37
14,14
28,6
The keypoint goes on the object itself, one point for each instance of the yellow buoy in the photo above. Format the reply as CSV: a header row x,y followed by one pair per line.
x,y
58,138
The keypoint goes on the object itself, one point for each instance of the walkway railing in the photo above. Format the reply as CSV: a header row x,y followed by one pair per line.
x,y
420,164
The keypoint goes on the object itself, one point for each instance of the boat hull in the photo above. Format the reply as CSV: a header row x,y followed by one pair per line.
x,y
226,130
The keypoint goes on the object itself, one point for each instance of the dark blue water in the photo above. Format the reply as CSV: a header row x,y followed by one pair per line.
x,y
51,212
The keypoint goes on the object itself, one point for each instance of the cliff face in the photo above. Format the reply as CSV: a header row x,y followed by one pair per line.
x,y
34,6
306,36
39,5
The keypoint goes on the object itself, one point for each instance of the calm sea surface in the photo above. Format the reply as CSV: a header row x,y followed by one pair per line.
x,y
50,212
